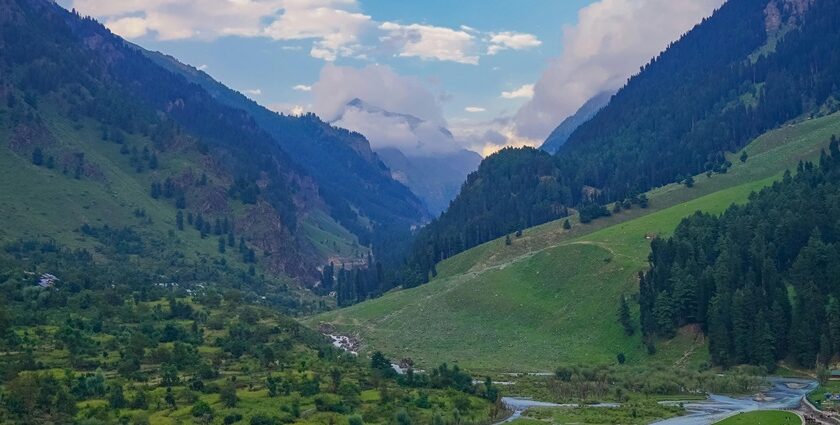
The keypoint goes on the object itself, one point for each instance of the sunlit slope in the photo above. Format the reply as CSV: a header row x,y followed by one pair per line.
x,y
552,296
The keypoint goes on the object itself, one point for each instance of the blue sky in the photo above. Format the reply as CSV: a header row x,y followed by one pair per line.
x,y
447,62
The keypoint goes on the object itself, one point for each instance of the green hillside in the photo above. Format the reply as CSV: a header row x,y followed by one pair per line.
x,y
551,297
117,157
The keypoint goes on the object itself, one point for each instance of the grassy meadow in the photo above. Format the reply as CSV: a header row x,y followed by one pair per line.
x,y
551,297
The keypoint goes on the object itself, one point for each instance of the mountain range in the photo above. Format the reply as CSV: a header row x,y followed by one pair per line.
x,y
436,175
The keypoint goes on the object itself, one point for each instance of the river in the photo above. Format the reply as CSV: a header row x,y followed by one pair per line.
x,y
784,393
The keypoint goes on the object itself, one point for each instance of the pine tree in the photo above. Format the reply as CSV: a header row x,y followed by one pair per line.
x,y
222,245
38,157
663,313
826,349
179,220
567,224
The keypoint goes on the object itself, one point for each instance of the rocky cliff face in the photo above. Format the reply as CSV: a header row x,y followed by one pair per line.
x,y
784,12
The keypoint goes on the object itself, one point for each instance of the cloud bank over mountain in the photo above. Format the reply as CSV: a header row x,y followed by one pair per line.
x,y
611,40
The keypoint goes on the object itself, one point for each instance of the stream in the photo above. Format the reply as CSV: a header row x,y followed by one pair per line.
x,y
784,393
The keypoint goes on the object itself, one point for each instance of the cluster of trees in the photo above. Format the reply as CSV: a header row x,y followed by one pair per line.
x,y
705,95
760,279
146,347
353,285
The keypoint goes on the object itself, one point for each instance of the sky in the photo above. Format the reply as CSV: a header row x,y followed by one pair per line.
x,y
495,72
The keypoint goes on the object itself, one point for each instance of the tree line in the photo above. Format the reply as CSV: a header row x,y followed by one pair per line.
x,y
762,279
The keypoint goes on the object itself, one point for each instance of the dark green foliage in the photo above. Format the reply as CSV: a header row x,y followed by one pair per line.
x,y
736,275
381,363
592,211
567,225
38,157
624,317
116,398
744,156
39,398
201,409
228,395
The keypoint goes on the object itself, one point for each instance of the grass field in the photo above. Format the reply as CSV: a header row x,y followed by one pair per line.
x,y
552,296
630,414
764,417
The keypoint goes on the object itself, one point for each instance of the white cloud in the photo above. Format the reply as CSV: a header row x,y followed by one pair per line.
x,y
395,110
375,84
288,109
179,19
202,67
129,27
611,40
333,28
487,137
524,92
336,31
511,40
430,42
474,109
302,87
253,92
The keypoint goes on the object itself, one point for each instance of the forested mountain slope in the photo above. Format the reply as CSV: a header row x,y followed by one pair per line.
x,y
103,148
552,295
351,179
753,66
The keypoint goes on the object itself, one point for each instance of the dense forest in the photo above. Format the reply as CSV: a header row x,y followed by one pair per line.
x,y
761,279
739,73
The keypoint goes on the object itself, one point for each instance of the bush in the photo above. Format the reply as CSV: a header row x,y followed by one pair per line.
x,y
264,420
200,409
228,395
232,419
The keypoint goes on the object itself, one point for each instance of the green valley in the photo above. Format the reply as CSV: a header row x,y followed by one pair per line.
x,y
551,297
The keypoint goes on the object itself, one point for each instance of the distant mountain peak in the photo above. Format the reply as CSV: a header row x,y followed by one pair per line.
x,y
561,134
